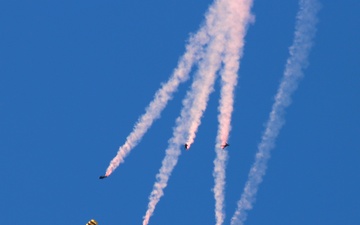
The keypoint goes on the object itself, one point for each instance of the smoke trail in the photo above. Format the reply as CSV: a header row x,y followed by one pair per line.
x,y
299,51
194,50
237,23
194,103
215,25
181,129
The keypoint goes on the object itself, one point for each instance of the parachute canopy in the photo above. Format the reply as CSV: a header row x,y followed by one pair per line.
x,y
92,222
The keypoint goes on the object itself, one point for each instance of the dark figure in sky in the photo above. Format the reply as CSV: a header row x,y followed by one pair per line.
x,y
225,145
102,177
186,146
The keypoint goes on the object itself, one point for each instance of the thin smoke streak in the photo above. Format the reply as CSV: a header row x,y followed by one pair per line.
x,y
299,51
237,23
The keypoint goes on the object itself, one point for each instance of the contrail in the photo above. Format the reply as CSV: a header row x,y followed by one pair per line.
x,y
299,51
239,17
194,50
195,101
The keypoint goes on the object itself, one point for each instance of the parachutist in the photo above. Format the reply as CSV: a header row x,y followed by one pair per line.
x,y
92,222
186,146
225,145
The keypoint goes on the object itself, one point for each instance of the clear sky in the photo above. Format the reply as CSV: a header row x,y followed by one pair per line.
x,y
75,77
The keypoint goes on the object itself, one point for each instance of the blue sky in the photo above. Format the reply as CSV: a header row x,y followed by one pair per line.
x,y
75,77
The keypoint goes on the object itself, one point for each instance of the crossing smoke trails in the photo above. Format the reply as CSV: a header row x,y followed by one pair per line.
x,y
163,95
208,67
237,22
218,47
226,39
299,51
194,103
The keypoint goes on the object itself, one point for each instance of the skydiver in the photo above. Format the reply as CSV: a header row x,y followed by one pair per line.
x,y
92,222
225,145
186,146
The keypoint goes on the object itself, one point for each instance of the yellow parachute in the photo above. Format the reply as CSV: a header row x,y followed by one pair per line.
x,y
92,222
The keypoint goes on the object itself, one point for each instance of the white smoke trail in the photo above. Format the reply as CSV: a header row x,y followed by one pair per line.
x,y
194,103
237,23
181,74
215,26
181,129
299,51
